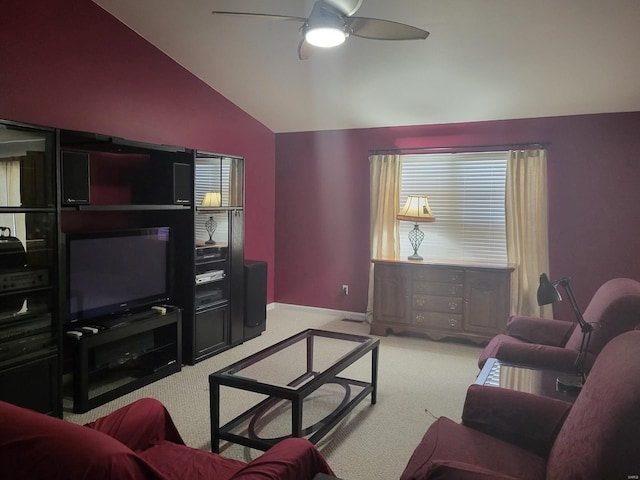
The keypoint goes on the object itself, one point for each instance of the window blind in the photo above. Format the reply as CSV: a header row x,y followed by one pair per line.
x,y
466,192
212,175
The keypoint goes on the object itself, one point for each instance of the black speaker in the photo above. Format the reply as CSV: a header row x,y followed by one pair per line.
x,y
182,183
255,298
75,178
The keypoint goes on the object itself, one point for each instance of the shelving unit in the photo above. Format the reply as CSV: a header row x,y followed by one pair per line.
x,y
110,184
29,269
217,295
62,182
211,326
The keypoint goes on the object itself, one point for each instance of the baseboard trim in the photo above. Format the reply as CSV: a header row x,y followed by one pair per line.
x,y
354,316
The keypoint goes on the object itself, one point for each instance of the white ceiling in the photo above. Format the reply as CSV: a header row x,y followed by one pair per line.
x,y
484,60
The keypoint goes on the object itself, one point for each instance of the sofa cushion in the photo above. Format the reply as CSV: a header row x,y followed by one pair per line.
x,y
178,462
451,450
34,446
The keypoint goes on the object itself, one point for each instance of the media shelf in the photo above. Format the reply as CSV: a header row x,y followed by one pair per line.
x,y
210,333
136,351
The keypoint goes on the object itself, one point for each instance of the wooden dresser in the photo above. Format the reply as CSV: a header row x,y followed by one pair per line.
x,y
463,301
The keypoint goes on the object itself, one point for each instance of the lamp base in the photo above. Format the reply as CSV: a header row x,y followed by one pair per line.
x,y
570,383
210,242
415,256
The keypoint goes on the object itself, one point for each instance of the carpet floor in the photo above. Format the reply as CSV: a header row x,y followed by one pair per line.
x,y
418,381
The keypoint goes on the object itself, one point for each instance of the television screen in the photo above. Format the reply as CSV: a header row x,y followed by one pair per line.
x,y
114,273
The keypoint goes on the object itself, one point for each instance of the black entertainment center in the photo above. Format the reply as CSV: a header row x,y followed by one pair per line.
x,y
119,276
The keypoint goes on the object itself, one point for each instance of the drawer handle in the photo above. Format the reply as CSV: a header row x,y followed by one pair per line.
x,y
453,322
453,305
420,301
420,319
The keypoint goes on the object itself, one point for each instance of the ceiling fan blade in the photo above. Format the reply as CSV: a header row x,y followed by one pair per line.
x,y
346,7
305,50
376,29
261,15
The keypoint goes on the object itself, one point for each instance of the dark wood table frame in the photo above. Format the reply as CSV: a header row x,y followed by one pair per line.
x,y
309,382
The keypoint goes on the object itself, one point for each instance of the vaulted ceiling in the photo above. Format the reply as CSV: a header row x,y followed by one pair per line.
x,y
483,60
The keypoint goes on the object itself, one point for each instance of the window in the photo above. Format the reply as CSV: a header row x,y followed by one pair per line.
x,y
466,193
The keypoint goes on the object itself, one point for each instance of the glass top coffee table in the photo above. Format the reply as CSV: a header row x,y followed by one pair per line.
x,y
297,387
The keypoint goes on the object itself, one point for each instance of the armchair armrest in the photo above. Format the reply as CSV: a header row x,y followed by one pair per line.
x,y
290,459
543,331
537,356
527,420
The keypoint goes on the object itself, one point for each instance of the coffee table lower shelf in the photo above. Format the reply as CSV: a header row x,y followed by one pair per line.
x,y
313,433
312,385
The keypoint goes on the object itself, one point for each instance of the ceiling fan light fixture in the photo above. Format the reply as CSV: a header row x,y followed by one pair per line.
x,y
325,37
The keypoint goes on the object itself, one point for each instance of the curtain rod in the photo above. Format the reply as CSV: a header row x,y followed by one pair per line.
x,y
511,146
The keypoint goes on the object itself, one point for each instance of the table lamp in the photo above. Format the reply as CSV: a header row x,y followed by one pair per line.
x,y
211,200
416,210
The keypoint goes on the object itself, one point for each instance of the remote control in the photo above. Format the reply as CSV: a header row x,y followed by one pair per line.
x,y
75,334
161,310
89,329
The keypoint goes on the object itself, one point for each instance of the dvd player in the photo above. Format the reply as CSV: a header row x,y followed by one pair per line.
x,y
22,279
211,276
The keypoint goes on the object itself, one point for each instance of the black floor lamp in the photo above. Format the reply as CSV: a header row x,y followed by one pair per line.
x,y
548,293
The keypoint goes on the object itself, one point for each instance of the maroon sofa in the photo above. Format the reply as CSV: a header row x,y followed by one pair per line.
x,y
136,442
507,434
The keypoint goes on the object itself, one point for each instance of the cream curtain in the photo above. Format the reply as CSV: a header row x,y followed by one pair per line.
x,y
385,173
526,224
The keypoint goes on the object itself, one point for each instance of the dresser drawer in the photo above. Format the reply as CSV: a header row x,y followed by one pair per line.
x,y
441,321
444,275
437,303
434,288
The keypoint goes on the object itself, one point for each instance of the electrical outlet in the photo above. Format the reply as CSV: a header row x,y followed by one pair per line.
x,y
345,290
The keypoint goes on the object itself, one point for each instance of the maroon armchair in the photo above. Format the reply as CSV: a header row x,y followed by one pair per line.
x,y
136,442
554,344
507,434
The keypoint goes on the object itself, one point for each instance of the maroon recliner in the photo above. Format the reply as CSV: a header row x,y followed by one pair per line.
x,y
507,434
554,344
136,442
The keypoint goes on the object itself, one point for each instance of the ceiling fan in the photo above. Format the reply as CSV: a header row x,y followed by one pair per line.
x,y
331,22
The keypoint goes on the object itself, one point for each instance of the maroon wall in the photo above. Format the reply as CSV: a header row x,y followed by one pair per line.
x,y
77,67
322,201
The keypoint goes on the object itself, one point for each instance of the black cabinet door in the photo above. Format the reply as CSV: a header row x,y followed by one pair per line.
x,y
32,385
212,331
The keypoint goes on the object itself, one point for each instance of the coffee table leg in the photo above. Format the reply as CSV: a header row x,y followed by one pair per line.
x,y
310,354
214,407
374,375
296,417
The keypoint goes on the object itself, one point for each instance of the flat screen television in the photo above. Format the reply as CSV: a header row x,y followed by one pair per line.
x,y
114,273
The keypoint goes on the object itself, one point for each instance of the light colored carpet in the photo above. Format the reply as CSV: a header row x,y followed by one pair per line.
x,y
418,380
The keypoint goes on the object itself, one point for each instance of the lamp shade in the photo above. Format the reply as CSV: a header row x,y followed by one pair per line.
x,y
211,199
547,291
416,209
